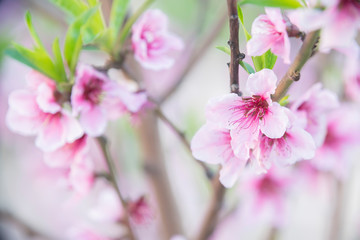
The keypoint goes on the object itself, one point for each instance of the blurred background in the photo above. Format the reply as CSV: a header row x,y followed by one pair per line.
x,y
35,205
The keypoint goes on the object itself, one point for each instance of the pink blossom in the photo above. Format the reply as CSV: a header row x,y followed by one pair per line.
x,y
269,191
82,233
98,99
140,211
212,145
246,117
64,156
152,42
296,144
269,32
339,22
81,175
108,207
341,141
314,106
37,111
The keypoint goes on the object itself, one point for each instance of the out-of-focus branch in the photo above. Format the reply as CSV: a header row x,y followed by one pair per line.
x,y
112,177
273,234
293,73
29,231
183,139
198,50
155,169
210,220
337,217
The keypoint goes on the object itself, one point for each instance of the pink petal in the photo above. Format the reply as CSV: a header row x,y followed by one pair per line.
x,y
308,19
24,125
23,102
93,121
219,110
262,83
81,176
302,143
259,44
231,171
46,100
274,124
212,145
242,140
275,16
282,48
52,135
72,128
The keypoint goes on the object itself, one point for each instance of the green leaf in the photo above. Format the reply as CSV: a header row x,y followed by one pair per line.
x,y
284,101
117,16
270,59
126,29
286,4
35,59
74,37
73,7
241,17
33,33
247,67
58,60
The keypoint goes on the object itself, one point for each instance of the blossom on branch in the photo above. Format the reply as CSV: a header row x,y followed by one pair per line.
x,y
37,111
151,41
269,32
97,99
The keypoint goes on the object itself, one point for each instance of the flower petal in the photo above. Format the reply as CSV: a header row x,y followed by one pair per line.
x,y
93,121
274,124
262,83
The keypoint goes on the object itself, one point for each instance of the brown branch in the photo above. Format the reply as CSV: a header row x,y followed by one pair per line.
x,y
337,217
293,73
24,227
155,168
234,46
112,177
183,139
198,51
211,218
273,234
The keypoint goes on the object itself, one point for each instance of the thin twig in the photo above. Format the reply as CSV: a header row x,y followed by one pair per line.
x,y
183,139
273,234
234,46
336,220
112,175
198,51
293,73
29,231
209,224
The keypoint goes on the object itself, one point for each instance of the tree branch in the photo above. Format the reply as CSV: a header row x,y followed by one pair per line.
x,y
183,139
198,52
234,46
293,73
112,177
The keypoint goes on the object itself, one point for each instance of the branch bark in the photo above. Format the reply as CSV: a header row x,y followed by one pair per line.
x,y
112,177
293,73
154,166
183,139
336,220
234,46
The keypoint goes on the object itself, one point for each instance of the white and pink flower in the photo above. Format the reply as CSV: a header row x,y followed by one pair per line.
x,y
97,99
269,32
37,111
339,22
296,144
151,41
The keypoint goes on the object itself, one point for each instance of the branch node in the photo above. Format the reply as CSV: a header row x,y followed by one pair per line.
x,y
295,76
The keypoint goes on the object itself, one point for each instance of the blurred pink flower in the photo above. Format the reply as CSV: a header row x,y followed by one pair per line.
x,y
341,141
339,22
37,111
64,156
81,175
314,107
213,145
269,32
108,207
296,144
152,42
140,211
269,191
81,233
98,99
246,117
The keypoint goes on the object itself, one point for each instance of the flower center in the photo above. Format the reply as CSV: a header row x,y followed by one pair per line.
x,y
93,90
348,3
252,110
267,185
